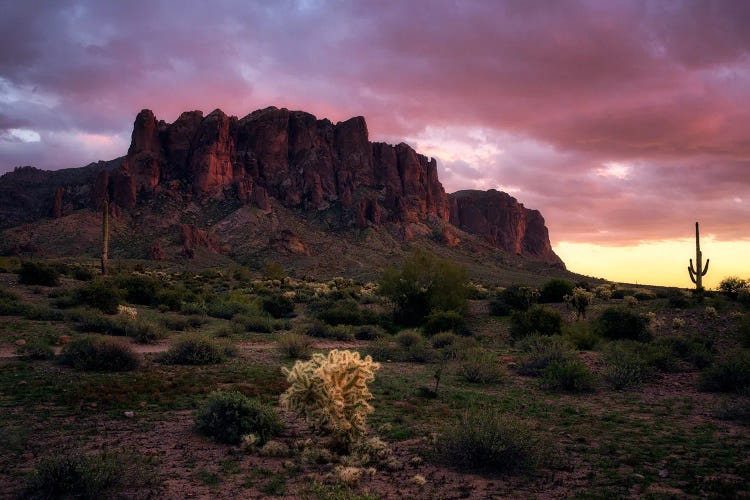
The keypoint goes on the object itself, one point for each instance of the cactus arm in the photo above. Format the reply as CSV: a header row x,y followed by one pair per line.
x,y
705,269
692,275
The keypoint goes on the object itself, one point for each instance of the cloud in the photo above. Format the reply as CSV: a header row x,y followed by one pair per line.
x,y
621,121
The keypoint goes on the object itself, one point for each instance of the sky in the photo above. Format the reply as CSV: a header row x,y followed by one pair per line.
x,y
623,122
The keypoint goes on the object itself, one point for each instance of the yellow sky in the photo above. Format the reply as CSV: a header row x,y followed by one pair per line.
x,y
658,263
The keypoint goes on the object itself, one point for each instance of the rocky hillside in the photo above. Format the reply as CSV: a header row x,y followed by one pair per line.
x,y
276,159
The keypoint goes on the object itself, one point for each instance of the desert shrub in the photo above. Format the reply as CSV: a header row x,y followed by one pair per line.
x,y
676,298
498,307
139,289
228,416
555,290
743,297
581,335
74,475
539,352
296,346
96,353
339,312
192,349
736,410
580,299
693,349
369,332
537,319
38,273
519,297
444,321
278,306
603,292
35,350
226,308
10,303
730,375
178,323
143,331
384,350
618,323
409,338
321,330
423,284
644,296
732,285
419,353
274,271
625,367
101,293
82,273
743,330
258,324
621,293
41,312
194,308
569,374
480,366
330,392
443,339
485,440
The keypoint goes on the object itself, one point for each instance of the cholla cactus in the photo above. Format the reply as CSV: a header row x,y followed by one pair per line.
x,y
603,292
331,392
630,301
129,313
678,323
579,300
711,312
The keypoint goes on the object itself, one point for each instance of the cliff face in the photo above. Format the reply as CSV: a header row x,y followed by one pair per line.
x,y
292,157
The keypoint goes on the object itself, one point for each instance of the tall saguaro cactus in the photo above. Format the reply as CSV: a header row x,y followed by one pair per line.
x,y
105,236
697,273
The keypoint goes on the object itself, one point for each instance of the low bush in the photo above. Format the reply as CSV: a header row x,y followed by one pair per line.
x,y
96,353
622,293
139,289
74,475
444,321
41,312
143,330
101,293
38,273
339,312
581,335
541,351
568,375
278,306
625,366
443,339
229,416
480,366
192,349
555,290
732,285
537,319
369,332
617,323
83,273
677,299
318,329
730,375
488,441
644,296
257,324
35,350
226,308
296,346
498,307
743,330
409,338
182,323
692,349
519,297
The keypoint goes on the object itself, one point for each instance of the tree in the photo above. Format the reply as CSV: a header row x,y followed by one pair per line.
x,y
425,283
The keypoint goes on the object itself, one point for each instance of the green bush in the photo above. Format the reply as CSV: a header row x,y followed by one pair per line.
x,y
296,346
480,366
96,353
143,331
730,375
444,321
409,338
192,349
488,441
537,319
36,350
41,312
541,351
581,335
340,312
498,307
102,294
278,306
257,324
644,296
622,293
320,330
555,290
139,289
83,273
677,299
568,375
369,332
519,297
743,330
38,273
617,323
425,283
732,285
229,416
693,349
74,475
226,308
443,339
626,367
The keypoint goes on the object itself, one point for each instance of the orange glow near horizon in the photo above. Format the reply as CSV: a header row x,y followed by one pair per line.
x,y
658,263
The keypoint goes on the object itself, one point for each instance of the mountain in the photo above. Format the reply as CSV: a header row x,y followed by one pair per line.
x,y
187,182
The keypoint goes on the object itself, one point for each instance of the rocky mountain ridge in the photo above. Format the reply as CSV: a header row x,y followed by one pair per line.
x,y
290,158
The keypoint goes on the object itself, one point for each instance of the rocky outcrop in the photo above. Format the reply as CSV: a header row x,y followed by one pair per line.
x,y
193,238
503,222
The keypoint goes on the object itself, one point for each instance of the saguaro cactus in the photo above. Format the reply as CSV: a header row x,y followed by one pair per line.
x,y
697,273
105,236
